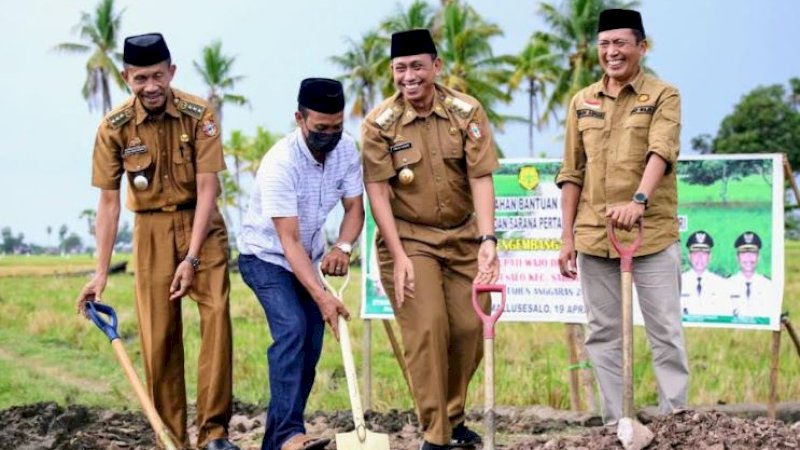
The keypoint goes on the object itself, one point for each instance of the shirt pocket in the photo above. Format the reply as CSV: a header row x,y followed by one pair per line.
x,y
591,130
406,157
633,145
139,163
183,159
453,147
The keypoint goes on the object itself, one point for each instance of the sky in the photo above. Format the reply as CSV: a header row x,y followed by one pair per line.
x,y
714,51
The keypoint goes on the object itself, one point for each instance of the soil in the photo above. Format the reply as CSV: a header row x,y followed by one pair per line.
x,y
76,427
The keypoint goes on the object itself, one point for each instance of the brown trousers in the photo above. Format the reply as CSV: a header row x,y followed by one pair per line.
x,y
442,334
161,240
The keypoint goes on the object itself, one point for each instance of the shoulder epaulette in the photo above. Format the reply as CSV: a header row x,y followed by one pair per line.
x,y
458,106
388,117
195,110
119,118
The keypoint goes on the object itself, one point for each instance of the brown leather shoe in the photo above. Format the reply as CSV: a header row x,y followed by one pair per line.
x,y
305,442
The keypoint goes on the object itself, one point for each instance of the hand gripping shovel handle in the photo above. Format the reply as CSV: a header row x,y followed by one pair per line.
x,y
626,283
95,311
488,354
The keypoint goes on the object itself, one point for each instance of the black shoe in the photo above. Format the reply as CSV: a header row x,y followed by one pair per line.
x,y
428,446
220,444
464,437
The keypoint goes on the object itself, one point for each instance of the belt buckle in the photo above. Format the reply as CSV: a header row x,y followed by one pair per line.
x,y
170,208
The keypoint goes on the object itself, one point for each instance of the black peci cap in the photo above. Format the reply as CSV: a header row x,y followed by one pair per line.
x,y
145,50
322,95
613,19
412,42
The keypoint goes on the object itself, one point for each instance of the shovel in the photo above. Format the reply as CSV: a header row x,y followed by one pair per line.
x,y
632,434
360,438
94,311
488,355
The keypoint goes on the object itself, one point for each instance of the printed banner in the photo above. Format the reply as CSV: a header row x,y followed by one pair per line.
x,y
731,237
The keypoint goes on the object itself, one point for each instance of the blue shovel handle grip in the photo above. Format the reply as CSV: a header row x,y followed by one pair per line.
x,y
94,310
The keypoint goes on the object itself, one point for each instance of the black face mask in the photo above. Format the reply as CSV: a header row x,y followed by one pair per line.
x,y
323,142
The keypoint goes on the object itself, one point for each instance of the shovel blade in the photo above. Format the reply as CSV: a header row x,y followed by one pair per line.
x,y
373,441
633,435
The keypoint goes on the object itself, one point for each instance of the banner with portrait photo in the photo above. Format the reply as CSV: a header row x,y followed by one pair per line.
x,y
732,201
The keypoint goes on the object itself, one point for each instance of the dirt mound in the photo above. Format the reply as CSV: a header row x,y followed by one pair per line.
x,y
690,430
49,426
52,427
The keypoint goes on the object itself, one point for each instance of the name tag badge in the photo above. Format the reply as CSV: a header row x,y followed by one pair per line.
x,y
644,110
133,150
590,113
399,147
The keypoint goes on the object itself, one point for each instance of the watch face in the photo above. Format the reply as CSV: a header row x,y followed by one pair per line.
x,y
640,198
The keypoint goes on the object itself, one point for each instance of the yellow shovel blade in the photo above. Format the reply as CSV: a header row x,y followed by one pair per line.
x,y
373,441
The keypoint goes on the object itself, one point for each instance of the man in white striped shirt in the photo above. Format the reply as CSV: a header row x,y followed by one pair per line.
x,y
300,180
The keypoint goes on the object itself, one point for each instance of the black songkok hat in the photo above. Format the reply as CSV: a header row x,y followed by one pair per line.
x,y
747,242
322,95
699,241
145,50
614,19
412,42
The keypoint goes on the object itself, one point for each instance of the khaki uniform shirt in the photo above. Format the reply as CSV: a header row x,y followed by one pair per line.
x,y
443,149
607,144
168,151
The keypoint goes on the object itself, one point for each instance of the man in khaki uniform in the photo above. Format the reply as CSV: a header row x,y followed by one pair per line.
x,y
168,144
621,146
428,160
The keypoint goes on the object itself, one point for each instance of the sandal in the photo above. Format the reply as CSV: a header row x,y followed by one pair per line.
x,y
304,442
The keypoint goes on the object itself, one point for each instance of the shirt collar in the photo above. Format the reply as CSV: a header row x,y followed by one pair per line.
x,y
439,109
636,84
142,114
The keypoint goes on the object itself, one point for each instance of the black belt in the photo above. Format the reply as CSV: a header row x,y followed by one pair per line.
x,y
171,208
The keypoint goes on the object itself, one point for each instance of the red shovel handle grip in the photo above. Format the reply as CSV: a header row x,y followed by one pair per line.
x,y
488,320
625,253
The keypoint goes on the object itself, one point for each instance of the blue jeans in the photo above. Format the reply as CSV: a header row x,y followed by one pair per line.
x,y
297,329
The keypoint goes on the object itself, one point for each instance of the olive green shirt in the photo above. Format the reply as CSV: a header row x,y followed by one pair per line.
x,y
607,144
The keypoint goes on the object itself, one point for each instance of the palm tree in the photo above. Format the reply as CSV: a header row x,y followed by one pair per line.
x,y
215,69
365,64
536,66
572,37
99,32
470,64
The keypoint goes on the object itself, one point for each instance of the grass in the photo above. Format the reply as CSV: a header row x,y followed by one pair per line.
x,y
48,353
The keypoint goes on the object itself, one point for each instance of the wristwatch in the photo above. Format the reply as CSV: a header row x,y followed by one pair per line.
x,y
193,260
640,198
487,237
345,247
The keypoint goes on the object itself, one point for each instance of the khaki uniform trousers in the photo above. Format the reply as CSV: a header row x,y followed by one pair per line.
x,y
658,285
161,240
442,334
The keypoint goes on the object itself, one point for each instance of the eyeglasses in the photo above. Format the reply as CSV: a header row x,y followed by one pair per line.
x,y
616,43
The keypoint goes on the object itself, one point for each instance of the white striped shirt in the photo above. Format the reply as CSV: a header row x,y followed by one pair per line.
x,y
291,183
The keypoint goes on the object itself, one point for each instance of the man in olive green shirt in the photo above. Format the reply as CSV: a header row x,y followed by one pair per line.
x,y
621,147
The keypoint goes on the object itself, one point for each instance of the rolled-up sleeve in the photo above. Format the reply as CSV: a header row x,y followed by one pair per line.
x,y
573,165
665,129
